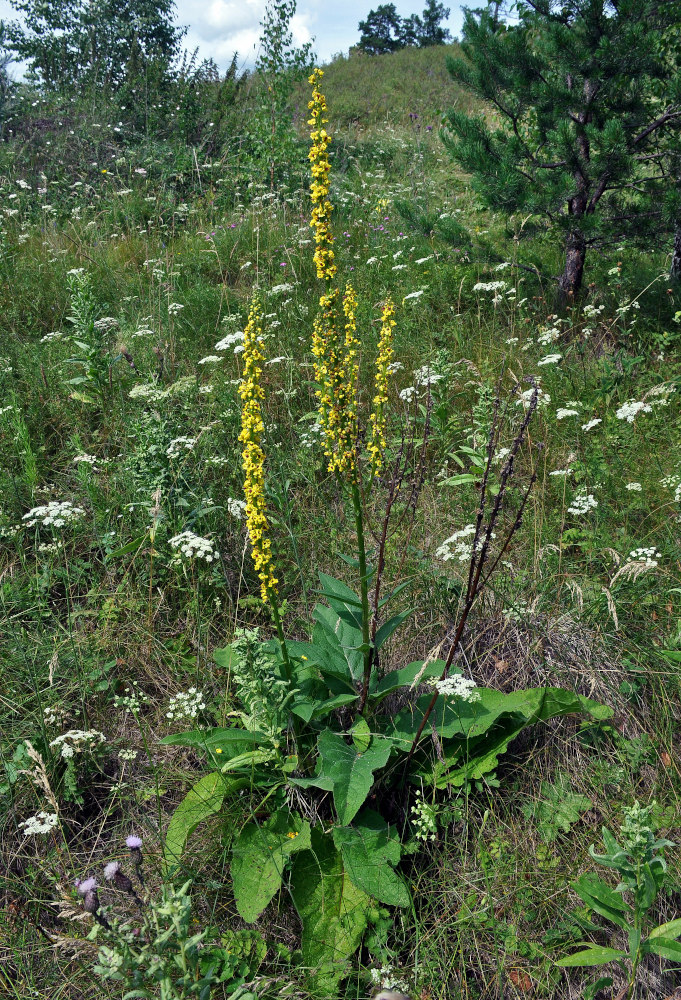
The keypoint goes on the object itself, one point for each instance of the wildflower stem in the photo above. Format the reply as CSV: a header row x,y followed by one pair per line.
x,y
367,645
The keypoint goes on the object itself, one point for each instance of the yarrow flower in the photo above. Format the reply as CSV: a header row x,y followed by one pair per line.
x,y
253,457
230,340
649,556
589,426
180,444
424,818
236,508
377,444
634,487
194,546
582,503
78,741
55,514
185,705
459,546
563,412
42,822
458,686
629,410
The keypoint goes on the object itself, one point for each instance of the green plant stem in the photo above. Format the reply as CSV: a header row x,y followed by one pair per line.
x,y
364,591
284,654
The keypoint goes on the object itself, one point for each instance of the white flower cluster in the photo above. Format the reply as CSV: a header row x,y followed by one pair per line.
x,y
407,394
105,323
634,487
629,410
489,286
236,508
525,398
42,822
178,445
185,705
230,340
649,556
132,700
458,686
87,459
210,359
426,376
54,335
194,546
590,424
148,391
386,979
174,308
54,514
459,545
550,359
562,412
548,335
424,818
127,755
582,503
592,312
281,289
78,741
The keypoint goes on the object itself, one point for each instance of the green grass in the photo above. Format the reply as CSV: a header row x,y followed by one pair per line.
x,y
492,903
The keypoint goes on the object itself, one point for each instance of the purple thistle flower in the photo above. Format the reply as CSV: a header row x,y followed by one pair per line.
x,y
86,885
133,842
111,870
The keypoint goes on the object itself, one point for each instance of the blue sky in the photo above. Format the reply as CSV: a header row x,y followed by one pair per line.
x,y
221,27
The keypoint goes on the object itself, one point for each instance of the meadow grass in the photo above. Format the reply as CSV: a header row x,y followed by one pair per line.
x,y
136,422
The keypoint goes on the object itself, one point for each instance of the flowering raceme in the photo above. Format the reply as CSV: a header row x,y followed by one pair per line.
x,y
377,419
319,189
253,457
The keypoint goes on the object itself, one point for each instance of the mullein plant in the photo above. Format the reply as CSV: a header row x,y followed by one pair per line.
x,y
336,351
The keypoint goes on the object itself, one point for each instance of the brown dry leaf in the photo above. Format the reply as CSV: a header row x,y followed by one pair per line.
x,y
520,979
666,759
501,666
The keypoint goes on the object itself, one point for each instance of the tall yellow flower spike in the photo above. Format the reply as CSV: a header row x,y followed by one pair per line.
x,y
377,443
319,189
253,457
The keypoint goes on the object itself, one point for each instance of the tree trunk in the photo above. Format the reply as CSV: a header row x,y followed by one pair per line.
x,y
675,268
575,254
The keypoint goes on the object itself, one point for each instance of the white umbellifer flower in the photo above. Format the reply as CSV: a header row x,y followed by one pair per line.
x,y
560,472
236,508
209,359
78,741
127,754
490,286
106,323
422,260
395,366
230,340
42,822
85,458
582,503
562,412
634,487
458,686
459,546
511,340
281,289
143,331
54,335
502,455
525,398
649,556
372,260
178,445
550,359
413,295
629,410
151,392
589,426
549,335
55,514
426,376
174,308
407,394
185,705
194,546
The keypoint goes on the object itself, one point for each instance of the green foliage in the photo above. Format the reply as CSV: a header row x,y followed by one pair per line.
x,y
385,31
577,124
260,854
556,810
641,866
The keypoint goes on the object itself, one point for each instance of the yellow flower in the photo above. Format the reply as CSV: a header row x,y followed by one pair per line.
x,y
253,457
319,189
377,442
336,371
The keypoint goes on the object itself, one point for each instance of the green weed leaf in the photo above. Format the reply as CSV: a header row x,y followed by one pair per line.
x,y
260,853
370,852
351,772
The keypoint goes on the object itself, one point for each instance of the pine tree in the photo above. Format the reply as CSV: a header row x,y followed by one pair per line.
x,y
432,32
586,123
382,31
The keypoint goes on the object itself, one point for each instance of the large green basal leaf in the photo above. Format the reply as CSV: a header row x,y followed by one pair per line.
x,y
260,853
204,799
370,851
350,771
451,718
332,909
